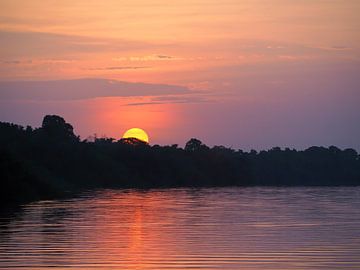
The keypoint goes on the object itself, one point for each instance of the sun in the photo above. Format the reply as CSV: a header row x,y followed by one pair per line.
x,y
136,133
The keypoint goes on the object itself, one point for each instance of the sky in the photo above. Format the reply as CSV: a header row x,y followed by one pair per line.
x,y
249,74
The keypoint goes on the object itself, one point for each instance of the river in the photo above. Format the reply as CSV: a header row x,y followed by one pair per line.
x,y
205,228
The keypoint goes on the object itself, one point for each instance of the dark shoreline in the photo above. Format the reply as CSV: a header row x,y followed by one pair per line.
x,y
51,162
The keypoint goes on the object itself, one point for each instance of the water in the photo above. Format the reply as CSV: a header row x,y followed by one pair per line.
x,y
215,228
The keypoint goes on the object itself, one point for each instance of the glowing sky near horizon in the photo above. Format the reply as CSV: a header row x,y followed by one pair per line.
x,y
257,73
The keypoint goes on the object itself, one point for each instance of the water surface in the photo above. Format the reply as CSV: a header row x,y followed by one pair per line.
x,y
214,228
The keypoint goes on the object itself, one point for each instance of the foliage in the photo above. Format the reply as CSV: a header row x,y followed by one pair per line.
x,y
51,160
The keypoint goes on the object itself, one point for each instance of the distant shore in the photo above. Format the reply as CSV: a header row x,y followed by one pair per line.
x,y
51,162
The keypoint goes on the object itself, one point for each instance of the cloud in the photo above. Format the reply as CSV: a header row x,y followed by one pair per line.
x,y
30,61
332,48
172,100
14,21
164,56
83,89
145,58
33,44
11,62
120,68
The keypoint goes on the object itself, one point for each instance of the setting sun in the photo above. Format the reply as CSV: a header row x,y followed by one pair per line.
x,y
125,123
136,133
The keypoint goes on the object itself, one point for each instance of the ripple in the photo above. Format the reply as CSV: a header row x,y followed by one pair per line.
x,y
210,228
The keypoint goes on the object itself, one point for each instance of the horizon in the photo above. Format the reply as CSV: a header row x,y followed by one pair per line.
x,y
249,75
93,137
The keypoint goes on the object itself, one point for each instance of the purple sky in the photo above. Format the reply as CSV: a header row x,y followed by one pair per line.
x,y
245,74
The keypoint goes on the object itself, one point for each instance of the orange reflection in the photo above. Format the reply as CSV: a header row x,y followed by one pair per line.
x,y
133,230
135,241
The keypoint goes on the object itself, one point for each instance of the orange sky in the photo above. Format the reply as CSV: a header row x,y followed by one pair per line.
x,y
234,57
165,42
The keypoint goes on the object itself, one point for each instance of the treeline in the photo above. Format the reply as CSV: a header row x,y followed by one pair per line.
x,y
51,160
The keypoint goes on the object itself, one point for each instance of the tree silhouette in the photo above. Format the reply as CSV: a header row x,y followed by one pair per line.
x,y
133,142
195,145
51,160
55,126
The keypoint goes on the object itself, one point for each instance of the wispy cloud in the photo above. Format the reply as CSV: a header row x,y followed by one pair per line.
x,y
83,89
11,62
37,61
164,56
145,58
332,48
172,100
33,44
119,68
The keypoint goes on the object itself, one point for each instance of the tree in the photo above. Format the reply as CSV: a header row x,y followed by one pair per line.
x,y
133,142
55,126
194,145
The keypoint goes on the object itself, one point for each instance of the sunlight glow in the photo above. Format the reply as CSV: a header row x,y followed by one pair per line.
x,y
137,133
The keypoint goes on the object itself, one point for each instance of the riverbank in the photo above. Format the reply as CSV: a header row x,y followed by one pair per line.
x,y
52,161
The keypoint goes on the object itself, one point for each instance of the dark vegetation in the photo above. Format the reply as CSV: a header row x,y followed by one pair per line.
x,y
51,160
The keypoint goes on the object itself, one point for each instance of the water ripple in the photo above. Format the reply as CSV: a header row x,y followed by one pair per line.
x,y
213,228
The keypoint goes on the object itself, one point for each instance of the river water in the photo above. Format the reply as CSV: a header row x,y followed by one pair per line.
x,y
210,228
